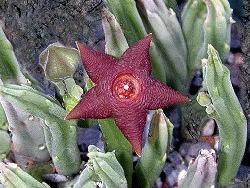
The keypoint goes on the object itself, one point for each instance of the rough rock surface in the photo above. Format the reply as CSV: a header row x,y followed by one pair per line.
x,y
32,25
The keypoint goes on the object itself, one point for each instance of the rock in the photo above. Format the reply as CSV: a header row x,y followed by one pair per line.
x,y
32,25
172,172
175,158
196,83
174,166
89,136
174,115
208,129
184,148
54,179
190,151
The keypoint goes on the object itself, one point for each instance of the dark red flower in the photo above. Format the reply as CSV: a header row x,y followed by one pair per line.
x,y
124,90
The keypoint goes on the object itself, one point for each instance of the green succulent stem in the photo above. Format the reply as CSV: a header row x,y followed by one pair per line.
x,y
3,118
5,144
154,153
115,141
116,43
129,19
60,135
132,26
26,130
9,68
101,167
168,36
203,23
193,17
13,176
70,92
227,112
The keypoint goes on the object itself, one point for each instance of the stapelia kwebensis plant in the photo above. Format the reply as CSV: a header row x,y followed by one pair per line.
x,y
153,51
123,90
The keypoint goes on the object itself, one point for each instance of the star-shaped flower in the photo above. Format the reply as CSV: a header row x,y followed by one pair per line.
x,y
123,90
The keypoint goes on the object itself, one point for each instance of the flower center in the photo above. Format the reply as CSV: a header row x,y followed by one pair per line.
x,y
125,86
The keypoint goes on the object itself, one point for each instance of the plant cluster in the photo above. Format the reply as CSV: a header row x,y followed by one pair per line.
x,y
33,125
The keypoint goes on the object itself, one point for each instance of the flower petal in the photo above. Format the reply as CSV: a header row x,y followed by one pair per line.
x,y
92,105
95,63
138,56
159,95
131,124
